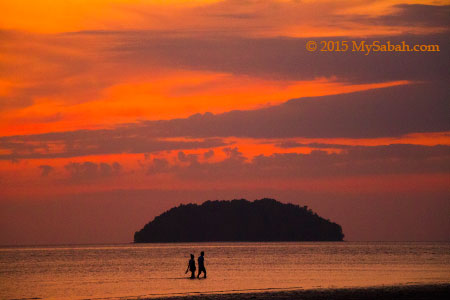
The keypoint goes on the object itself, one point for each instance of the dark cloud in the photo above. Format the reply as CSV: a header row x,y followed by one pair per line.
x,y
128,139
80,59
383,112
355,161
159,165
287,58
46,170
387,112
208,154
414,15
293,144
182,157
276,58
90,170
233,154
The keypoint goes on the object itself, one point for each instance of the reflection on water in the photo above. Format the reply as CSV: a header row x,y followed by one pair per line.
x,y
109,271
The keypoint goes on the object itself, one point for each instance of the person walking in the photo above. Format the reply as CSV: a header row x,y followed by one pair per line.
x,y
191,266
201,264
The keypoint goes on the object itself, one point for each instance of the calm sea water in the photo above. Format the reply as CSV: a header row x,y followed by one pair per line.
x,y
113,271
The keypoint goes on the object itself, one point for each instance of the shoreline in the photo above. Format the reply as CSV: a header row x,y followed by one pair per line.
x,y
417,291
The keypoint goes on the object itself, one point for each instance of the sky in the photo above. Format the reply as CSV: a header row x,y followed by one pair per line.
x,y
112,112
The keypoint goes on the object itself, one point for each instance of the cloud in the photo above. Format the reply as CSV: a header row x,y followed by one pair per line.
x,y
288,18
81,67
286,58
269,17
90,170
208,154
134,139
386,112
233,154
50,66
415,15
224,37
354,161
45,170
182,157
293,144
158,166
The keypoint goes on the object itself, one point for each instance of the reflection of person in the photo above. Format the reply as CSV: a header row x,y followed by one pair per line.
x,y
201,264
191,266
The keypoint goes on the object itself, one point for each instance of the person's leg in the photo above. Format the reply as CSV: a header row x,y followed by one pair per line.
x,y
202,270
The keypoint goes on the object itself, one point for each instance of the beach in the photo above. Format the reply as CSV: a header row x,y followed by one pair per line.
x,y
319,270
429,291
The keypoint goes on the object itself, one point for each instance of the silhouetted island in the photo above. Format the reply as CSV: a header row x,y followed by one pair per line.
x,y
239,220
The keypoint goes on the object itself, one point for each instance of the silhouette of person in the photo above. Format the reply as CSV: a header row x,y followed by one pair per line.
x,y
201,264
191,266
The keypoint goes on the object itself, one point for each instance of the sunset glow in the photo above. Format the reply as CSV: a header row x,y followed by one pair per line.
x,y
149,97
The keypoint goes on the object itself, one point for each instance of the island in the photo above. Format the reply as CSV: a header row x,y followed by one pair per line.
x,y
239,220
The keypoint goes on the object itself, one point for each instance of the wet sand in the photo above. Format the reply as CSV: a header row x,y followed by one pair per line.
x,y
434,291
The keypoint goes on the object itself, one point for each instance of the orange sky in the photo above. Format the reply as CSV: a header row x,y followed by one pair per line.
x,y
282,17
74,65
95,97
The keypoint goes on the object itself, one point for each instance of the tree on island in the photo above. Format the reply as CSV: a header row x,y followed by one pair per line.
x,y
239,220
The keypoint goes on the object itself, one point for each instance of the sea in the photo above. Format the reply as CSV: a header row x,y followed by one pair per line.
x,y
133,271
